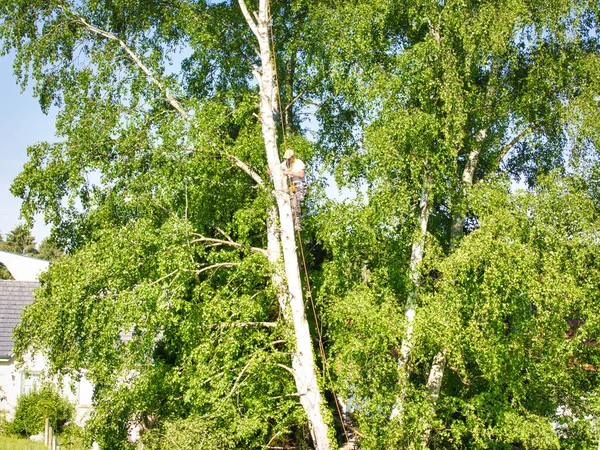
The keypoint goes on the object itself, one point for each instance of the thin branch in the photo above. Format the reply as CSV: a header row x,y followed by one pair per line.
x,y
294,100
237,162
295,394
139,63
216,266
242,165
272,438
289,369
224,234
249,19
242,325
510,145
162,278
230,243
237,380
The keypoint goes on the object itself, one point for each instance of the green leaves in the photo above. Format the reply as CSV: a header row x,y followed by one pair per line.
x,y
165,278
507,298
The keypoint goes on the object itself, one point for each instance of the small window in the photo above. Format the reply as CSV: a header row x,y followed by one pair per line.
x,y
29,382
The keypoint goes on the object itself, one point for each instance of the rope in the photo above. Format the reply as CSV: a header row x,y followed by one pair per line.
x,y
308,287
320,335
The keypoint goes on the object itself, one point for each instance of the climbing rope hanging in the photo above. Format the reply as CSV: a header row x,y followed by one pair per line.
x,y
326,372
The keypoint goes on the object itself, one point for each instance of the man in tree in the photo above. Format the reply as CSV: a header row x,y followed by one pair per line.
x,y
294,168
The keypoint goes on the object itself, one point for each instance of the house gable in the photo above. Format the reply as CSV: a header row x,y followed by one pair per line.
x,y
14,295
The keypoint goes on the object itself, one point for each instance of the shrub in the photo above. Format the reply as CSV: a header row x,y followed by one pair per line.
x,y
3,422
37,405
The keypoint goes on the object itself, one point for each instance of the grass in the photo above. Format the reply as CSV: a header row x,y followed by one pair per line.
x,y
9,443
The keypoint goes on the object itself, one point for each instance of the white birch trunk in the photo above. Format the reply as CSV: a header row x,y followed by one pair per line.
x,y
416,259
436,373
303,364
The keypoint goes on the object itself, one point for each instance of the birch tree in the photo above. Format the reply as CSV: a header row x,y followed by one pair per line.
x,y
303,363
181,160
466,91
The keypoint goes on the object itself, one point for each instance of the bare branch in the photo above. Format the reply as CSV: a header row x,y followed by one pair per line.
x,y
224,234
242,325
289,369
216,266
231,243
236,161
249,19
242,165
295,394
237,380
166,276
294,100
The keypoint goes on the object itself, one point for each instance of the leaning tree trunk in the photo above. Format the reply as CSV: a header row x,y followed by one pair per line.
x,y
416,259
303,364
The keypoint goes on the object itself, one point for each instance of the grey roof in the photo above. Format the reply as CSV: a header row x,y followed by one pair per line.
x,y
14,295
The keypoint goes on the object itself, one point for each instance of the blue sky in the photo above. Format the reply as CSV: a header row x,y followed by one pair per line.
x,y
22,123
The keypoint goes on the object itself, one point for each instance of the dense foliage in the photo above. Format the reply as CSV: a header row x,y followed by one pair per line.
x,y
34,407
456,311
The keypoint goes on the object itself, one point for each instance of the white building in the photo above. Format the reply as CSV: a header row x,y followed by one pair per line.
x,y
14,296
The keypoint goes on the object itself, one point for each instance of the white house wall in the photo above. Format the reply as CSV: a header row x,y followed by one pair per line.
x,y
14,382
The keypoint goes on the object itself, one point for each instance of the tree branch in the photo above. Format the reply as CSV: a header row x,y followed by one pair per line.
x,y
231,243
249,19
166,276
237,380
216,266
289,369
294,100
245,167
510,145
242,325
237,162
139,63
224,234
295,394
178,107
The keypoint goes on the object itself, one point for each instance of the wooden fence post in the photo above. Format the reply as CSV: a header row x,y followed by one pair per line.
x,y
46,426
50,438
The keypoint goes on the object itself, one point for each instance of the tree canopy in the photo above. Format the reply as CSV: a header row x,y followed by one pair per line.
x,y
452,309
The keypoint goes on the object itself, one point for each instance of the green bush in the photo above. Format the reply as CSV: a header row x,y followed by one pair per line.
x,y
3,422
37,405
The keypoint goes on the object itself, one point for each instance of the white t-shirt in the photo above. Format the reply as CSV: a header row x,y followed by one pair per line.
x,y
297,166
